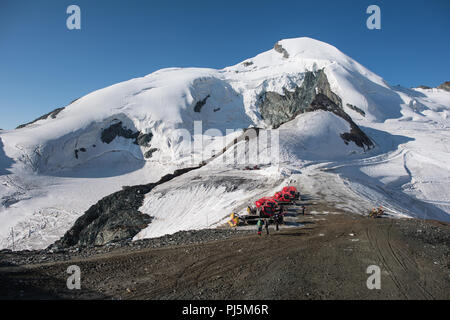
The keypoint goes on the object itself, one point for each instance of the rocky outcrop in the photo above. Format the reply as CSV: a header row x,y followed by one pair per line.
x,y
118,130
78,150
144,139
198,106
313,94
445,86
51,114
149,153
114,218
355,108
279,48
322,102
277,109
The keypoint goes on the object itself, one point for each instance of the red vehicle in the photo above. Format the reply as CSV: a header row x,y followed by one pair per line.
x,y
267,206
283,197
292,191
262,201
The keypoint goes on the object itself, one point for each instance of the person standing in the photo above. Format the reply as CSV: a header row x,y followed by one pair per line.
x,y
277,221
266,225
303,210
259,224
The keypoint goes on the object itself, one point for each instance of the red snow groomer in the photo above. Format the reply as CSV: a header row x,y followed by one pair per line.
x,y
292,191
267,206
283,197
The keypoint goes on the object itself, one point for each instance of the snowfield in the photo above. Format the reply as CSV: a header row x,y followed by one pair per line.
x,y
135,132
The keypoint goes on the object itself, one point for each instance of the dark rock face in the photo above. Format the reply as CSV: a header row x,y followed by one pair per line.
x,y
355,108
114,218
277,109
78,150
314,94
198,106
118,130
322,102
51,114
279,48
445,86
148,154
424,87
144,139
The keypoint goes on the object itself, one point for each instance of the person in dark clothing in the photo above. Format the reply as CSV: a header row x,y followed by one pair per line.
x,y
266,225
277,221
303,210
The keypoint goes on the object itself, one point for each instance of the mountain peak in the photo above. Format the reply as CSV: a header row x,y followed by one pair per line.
x,y
307,45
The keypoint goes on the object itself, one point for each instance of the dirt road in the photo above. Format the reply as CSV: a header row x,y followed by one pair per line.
x,y
326,258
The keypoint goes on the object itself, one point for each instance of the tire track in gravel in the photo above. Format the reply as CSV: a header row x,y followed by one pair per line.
x,y
402,268
379,249
407,263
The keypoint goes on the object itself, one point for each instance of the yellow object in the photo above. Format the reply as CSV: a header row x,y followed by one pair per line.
x,y
234,220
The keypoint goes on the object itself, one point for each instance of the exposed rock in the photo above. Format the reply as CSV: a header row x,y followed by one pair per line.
x,y
116,217
322,102
424,87
277,109
279,48
247,63
117,130
51,114
445,86
78,150
148,154
355,108
144,139
198,106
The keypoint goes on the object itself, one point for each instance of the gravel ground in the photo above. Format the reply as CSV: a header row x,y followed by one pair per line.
x,y
26,257
326,258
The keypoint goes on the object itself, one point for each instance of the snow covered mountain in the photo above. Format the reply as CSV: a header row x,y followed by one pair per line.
x,y
387,144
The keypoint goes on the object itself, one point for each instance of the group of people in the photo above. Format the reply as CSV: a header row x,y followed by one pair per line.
x,y
277,218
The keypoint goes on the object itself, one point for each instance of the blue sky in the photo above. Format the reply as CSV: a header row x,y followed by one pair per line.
x,y
43,65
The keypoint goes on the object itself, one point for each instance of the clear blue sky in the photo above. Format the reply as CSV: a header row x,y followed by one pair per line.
x,y
43,65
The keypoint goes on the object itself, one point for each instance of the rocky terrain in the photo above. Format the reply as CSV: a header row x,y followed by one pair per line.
x,y
277,109
113,218
325,258
445,86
